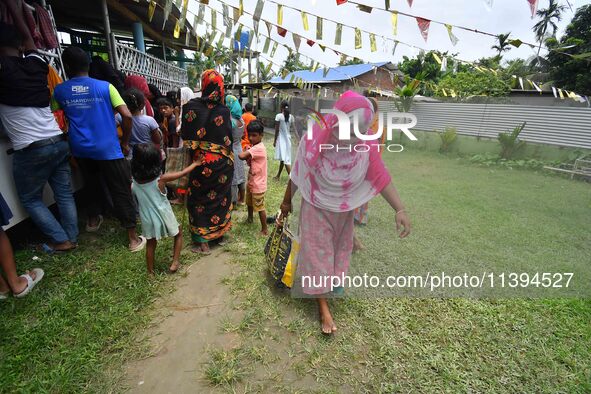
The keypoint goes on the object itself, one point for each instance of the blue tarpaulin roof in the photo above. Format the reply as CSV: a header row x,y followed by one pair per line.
x,y
334,75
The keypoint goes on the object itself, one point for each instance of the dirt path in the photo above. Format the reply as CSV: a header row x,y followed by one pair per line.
x,y
189,325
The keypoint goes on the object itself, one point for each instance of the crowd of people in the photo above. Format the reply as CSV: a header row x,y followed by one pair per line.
x,y
118,132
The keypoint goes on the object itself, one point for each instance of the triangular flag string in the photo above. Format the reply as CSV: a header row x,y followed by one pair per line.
x,y
454,40
533,6
424,27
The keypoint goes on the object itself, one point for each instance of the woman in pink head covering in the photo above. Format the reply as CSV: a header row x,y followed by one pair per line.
x,y
332,184
140,83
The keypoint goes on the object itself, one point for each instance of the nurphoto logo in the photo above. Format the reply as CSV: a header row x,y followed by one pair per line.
x,y
352,137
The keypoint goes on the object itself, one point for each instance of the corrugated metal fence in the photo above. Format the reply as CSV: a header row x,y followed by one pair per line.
x,y
561,126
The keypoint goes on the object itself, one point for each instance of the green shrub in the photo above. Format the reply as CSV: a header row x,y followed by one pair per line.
x,y
510,142
447,138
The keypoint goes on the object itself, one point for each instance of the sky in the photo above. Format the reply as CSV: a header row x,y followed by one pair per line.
x,y
505,16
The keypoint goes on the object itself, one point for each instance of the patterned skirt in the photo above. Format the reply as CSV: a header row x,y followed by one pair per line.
x,y
209,200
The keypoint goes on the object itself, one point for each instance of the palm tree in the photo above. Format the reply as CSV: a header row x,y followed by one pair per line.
x,y
548,18
503,44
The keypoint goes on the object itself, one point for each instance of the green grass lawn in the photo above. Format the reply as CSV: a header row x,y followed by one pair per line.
x,y
74,332
465,217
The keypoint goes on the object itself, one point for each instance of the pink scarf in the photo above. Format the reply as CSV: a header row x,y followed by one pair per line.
x,y
340,181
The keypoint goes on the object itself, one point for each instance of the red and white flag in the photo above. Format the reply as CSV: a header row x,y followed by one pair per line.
x,y
424,27
533,5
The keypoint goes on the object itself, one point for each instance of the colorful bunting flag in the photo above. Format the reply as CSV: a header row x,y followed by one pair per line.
x,y
195,24
274,49
339,2
318,28
305,21
151,9
322,47
533,5
204,1
436,57
454,40
409,3
297,40
236,14
267,44
255,25
310,43
387,5
279,14
177,29
200,14
488,4
395,23
358,43
258,11
338,34
269,26
213,18
394,48
365,8
240,8
281,31
444,65
167,9
516,43
424,27
372,42
184,13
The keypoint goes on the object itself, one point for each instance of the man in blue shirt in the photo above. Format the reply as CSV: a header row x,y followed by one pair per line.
x,y
90,105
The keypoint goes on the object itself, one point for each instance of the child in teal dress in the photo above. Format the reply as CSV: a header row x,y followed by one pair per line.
x,y
149,187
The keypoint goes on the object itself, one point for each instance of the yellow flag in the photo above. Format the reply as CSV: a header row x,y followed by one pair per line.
x,y
279,14
151,9
437,58
318,28
177,29
240,8
358,43
338,35
395,23
305,21
372,42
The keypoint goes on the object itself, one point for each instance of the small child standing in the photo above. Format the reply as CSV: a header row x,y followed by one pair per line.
x,y
148,186
256,186
144,128
168,126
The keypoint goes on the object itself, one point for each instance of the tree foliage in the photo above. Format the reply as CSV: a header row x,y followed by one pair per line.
x,y
570,68
467,84
293,63
350,62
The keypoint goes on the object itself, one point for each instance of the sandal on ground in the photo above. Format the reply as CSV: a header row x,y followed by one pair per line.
x,y
31,282
140,246
4,296
94,229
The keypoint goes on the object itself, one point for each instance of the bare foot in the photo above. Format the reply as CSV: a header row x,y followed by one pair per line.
x,y
326,320
174,267
250,220
62,247
264,233
357,245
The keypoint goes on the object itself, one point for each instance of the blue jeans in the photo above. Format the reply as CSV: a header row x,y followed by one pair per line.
x,y
32,169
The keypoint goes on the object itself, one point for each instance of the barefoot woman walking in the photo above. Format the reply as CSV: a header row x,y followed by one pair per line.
x,y
332,184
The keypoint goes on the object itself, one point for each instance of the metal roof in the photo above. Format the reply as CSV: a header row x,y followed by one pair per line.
x,y
334,75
